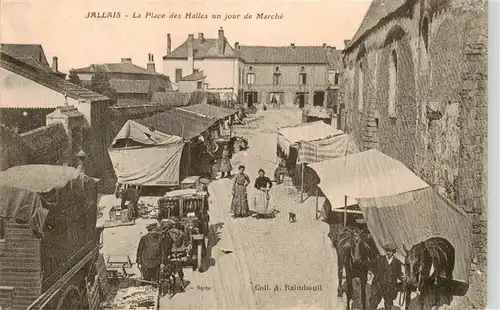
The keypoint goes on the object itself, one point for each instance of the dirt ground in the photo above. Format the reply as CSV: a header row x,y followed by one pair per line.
x,y
266,257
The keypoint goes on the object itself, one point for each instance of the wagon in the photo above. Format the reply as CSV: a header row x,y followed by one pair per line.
x,y
187,209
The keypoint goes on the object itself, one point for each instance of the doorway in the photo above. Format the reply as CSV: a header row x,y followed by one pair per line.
x,y
276,100
250,98
302,99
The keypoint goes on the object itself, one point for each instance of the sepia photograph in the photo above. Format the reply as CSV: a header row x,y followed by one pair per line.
x,y
244,155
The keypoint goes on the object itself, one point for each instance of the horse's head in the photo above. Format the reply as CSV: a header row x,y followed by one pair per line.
x,y
412,267
357,247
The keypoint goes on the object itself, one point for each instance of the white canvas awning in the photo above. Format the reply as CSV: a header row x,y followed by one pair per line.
x,y
364,175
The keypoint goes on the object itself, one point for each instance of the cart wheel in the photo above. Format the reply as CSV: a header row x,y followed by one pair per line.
x,y
199,257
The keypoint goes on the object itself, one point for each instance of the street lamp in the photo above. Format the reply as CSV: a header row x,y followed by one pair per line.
x,y
81,158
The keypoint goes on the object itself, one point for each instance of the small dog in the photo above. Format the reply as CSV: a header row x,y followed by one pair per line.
x,y
292,218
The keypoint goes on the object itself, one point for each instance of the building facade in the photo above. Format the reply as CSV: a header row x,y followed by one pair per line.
x,y
134,85
214,56
284,76
288,76
28,94
415,87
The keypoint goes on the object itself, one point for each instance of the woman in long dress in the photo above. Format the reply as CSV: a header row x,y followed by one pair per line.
x,y
261,200
239,204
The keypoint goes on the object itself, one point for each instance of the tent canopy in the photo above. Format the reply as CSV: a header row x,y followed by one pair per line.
x,y
412,217
143,135
21,186
288,136
179,123
155,161
329,148
364,175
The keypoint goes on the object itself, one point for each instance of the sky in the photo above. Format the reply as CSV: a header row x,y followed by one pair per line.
x,y
63,31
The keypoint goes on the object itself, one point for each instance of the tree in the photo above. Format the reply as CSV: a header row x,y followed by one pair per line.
x,y
100,84
73,77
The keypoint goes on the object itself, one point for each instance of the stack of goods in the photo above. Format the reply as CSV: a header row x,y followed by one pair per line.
x,y
133,298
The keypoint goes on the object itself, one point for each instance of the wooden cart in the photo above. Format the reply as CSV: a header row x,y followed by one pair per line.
x,y
188,209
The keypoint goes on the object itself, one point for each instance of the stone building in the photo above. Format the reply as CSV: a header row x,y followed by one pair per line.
x,y
415,87
279,76
288,76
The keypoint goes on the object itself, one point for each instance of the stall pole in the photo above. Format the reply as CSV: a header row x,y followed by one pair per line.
x,y
302,166
317,202
345,210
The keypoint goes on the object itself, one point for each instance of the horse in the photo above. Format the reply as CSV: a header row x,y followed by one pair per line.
x,y
355,252
437,253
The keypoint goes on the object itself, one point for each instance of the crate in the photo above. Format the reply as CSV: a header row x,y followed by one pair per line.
x,y
191,182
118,215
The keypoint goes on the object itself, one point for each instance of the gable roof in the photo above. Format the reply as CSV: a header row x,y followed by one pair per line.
x,y
378,10
202,48
284,54
31,54
194,77
127,67
130,86
48,80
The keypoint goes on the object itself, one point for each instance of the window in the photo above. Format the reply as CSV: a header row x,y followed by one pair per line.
x,y
178,75
337,78
250,78
333,77
393,73
200,85
276,79
3,227
360,86
301,99
302,78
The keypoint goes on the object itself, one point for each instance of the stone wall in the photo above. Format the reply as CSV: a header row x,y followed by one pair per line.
x,y
440,125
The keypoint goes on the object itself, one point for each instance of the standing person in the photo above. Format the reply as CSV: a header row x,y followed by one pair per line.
x,y
225,164
263,185
130,194
280,171
148,257
385,282
239,204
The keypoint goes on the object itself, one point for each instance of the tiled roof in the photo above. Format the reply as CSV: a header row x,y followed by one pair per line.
x,y
376,12
48,80
206,48
21,51
32,54
334,59
194,77
284,54
130,86
131,102
127,67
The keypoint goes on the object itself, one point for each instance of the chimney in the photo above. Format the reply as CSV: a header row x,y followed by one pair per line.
x,y
55,64
346,42
221,42
190,50
292,45
237,45
201,37
169,44
126,60
324,45
151,63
